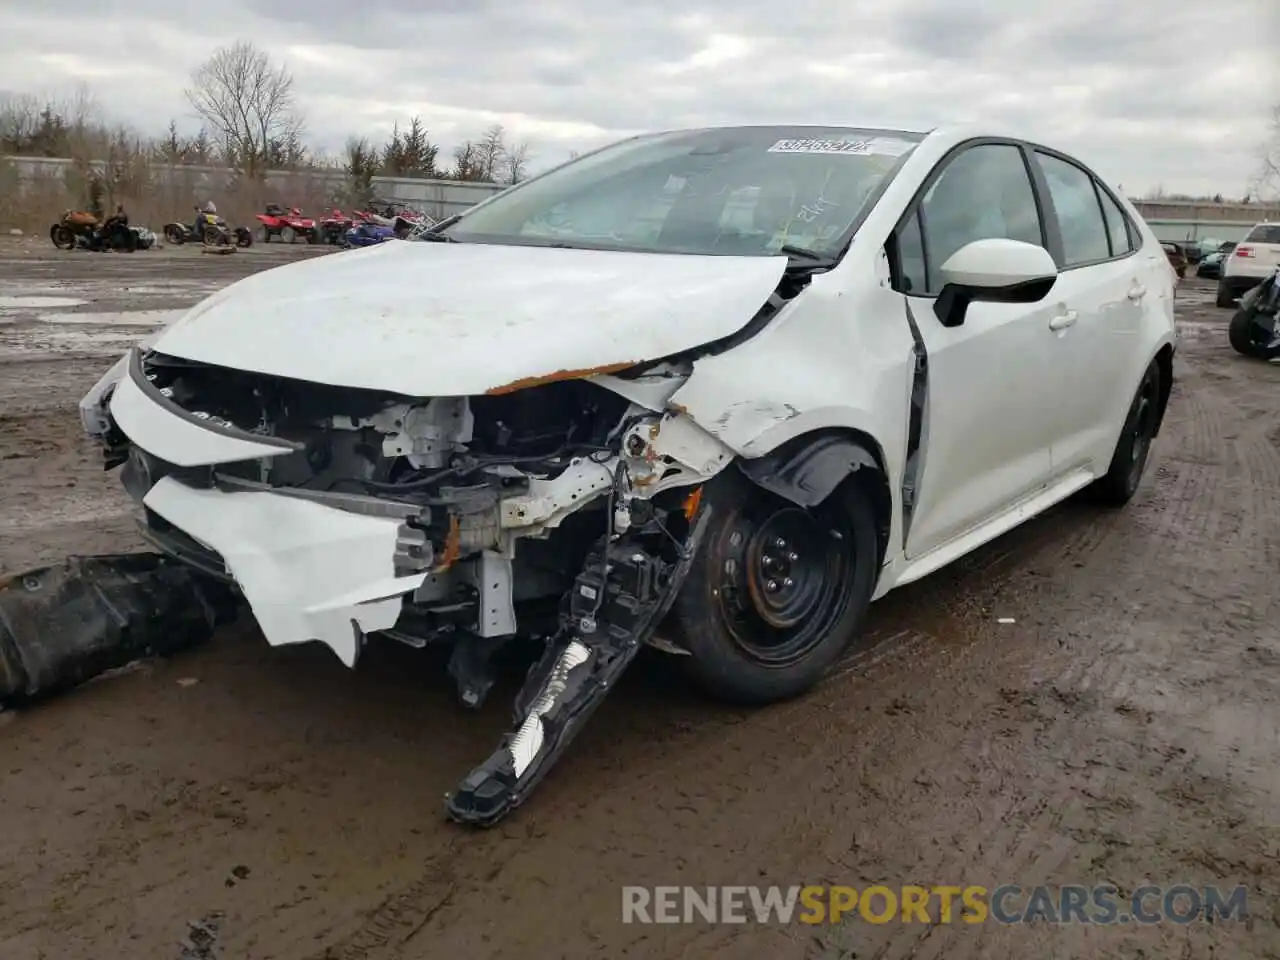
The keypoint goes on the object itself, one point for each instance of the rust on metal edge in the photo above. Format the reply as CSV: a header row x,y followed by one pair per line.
x,y
526,382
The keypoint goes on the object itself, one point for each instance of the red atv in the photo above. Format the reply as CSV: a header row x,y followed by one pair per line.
x,y
335,226
288,225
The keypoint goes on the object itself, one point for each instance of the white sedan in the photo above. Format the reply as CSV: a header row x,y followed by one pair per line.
x,y
710,390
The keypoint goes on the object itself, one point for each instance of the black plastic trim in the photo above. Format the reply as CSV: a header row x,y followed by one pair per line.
x,y
139,377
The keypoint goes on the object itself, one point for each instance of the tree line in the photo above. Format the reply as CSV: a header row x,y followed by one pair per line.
x,y
250,121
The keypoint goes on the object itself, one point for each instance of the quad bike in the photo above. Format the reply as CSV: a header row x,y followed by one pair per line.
x,y
288,225
76,228
333,228
209,229
1253,329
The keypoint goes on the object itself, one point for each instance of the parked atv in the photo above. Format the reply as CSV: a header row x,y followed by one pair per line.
x,y
1253,329
288,225
77,228
334,227
209,229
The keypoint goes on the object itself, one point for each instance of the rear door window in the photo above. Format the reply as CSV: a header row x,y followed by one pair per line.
x,y
1080,220
1118,230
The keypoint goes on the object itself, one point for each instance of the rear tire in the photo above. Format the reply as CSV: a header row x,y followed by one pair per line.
x,y
776,593
287,235
62,237
175,235
1120,483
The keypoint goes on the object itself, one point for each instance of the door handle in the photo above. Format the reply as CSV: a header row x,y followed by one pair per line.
x,y
1064,320
1137,292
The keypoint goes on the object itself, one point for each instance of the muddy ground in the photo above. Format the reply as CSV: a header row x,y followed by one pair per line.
x,y
1123,728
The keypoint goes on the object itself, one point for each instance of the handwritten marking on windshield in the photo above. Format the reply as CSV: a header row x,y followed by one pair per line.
x,y
876,146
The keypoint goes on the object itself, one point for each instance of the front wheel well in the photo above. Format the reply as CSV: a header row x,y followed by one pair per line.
x,y
808,469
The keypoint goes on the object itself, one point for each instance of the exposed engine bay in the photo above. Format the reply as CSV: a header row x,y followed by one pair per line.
x,y
559,510
467,477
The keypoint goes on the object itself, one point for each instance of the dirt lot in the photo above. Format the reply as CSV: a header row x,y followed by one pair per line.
x,y
1124,728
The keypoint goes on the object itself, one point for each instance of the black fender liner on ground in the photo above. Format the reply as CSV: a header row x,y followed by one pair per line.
x,y
64,624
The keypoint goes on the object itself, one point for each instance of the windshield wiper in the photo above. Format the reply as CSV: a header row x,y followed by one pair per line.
x,y
433,235
803,253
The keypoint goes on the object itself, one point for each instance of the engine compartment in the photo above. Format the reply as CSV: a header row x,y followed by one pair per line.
x,y
553,466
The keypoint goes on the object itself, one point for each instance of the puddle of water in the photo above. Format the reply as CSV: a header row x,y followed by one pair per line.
x,y
39,303
172,288
134,318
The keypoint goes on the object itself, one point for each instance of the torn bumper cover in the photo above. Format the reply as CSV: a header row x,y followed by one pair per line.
x,y
65,624
308,571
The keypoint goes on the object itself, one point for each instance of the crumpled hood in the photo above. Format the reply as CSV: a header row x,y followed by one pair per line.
x,y
453,319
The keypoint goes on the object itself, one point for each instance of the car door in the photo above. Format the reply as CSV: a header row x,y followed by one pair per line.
x,y
1104,285
986,435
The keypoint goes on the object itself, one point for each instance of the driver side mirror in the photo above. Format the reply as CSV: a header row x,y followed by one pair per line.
x,y
995,270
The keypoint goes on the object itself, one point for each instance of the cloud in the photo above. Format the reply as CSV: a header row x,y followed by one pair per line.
x,y
1146,91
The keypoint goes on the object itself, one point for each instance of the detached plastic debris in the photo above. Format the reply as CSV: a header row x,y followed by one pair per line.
x,y
64,624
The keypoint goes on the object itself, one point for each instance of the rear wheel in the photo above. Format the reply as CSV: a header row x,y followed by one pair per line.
x,y
62,237
287,235
175,234
1118,485
777,592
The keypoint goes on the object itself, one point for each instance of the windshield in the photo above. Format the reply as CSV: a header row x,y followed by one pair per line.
x,y
747,191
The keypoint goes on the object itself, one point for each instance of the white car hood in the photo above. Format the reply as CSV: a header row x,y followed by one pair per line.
x,y
453,319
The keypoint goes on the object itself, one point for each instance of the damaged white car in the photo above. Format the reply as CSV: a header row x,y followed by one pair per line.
x,y
710,390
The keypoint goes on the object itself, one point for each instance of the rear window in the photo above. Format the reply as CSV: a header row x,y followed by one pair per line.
x,y
1264,233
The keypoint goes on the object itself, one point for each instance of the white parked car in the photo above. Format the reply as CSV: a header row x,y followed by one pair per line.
x,y
1253,260
711,390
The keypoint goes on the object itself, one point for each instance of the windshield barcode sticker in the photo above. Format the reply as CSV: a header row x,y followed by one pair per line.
x,y
877,146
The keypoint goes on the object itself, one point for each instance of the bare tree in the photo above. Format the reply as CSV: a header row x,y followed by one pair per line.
x,y
19,122
491,149
515,162
248,103
467,162
1269,154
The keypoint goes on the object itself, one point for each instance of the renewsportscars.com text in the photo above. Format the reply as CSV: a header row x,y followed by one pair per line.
x,y
972,904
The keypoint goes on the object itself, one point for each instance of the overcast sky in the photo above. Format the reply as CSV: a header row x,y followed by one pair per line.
x,y
1168,92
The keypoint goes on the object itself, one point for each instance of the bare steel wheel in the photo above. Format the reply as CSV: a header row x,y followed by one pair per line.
x,y
776,592
783,579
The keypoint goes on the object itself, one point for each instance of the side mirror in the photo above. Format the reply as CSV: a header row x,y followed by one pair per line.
x,y
995,271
